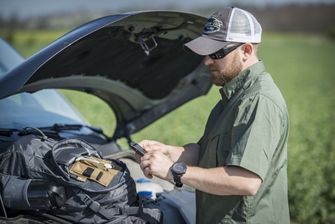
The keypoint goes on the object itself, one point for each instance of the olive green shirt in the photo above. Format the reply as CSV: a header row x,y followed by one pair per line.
x,y
247,128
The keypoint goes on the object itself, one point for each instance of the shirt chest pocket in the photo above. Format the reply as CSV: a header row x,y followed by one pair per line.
x,y
215,151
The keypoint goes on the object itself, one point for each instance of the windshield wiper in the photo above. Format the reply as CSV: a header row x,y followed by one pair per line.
x,y
7,132
65,127
51,131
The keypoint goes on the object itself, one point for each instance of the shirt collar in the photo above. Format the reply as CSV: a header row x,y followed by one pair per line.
x,y
243,79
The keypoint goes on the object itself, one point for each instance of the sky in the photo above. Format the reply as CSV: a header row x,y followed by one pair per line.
x,y
29,8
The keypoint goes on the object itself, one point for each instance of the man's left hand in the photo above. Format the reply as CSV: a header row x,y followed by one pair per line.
x,y
158,164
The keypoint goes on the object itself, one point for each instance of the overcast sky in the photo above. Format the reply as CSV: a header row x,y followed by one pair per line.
x,y
27,8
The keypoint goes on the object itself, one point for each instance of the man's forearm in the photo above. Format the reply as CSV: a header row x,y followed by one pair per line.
x,y
222,180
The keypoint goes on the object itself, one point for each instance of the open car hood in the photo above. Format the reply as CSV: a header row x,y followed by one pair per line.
x,y
135,62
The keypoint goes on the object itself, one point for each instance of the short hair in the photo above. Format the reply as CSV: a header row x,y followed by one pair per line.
x,y
256,47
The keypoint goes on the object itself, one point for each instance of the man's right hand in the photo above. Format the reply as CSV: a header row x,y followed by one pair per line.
x,y
150,145
173,152
188,153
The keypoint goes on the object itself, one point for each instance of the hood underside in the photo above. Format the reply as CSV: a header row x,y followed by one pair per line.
x,y
135,62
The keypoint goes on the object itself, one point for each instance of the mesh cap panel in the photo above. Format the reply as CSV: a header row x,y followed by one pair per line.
x,y
239,24
243,27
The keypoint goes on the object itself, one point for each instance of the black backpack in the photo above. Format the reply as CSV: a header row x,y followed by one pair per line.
x,y
37,174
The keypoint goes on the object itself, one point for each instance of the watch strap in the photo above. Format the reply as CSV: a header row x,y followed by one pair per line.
x,y
178,169
177,180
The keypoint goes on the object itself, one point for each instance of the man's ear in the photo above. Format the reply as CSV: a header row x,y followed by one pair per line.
x,y
247,51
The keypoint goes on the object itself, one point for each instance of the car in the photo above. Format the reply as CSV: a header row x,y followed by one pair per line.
x,y
134,62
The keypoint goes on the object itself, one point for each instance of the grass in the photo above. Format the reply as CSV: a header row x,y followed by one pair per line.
x,y
28,42
302,66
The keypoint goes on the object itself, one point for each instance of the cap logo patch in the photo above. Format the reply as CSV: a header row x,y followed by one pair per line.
x,y
213,25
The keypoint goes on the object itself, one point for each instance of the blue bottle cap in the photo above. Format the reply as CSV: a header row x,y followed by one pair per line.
x,y
143,180
145,194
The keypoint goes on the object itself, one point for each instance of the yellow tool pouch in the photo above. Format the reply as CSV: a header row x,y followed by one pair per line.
x,y
94,169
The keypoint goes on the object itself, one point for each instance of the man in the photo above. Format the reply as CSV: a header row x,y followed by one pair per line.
x,y
239,166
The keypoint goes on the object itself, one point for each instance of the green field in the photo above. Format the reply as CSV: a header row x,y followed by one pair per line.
x,y
302,65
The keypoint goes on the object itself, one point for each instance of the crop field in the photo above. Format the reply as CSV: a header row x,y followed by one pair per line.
x,y
303,67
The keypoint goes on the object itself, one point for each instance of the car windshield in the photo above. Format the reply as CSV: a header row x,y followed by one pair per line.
x,y
41,109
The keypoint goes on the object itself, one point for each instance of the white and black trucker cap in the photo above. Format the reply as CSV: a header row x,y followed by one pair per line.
x,y
229,25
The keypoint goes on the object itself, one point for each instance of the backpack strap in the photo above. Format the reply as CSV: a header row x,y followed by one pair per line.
x,y
73,141
108,213
97,208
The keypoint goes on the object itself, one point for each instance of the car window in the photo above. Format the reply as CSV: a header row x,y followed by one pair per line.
x,y
93,109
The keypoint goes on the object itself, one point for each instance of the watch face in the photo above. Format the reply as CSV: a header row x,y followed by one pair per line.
x,y
179,168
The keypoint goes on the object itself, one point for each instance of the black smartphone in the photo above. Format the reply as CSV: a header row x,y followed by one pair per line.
x,y
137,148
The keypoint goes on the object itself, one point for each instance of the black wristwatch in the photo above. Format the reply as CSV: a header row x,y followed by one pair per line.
x,y
178,169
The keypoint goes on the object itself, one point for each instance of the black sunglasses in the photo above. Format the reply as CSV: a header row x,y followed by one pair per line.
x,y
223,52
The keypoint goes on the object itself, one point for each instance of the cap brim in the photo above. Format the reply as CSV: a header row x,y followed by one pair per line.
x,y
205,46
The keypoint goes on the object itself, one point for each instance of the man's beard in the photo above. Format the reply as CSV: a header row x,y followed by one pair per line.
x,y
228,73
